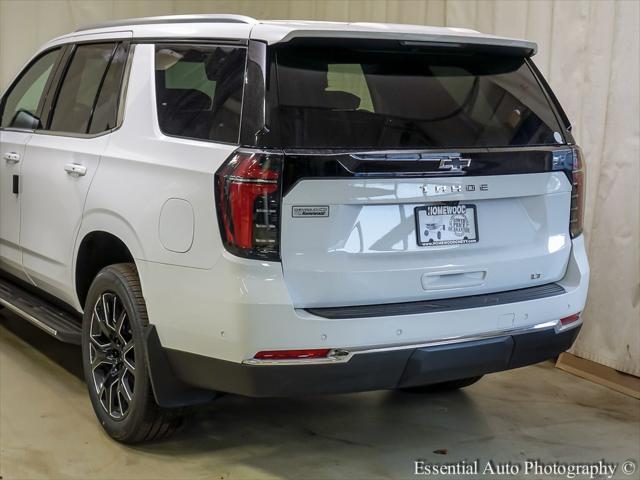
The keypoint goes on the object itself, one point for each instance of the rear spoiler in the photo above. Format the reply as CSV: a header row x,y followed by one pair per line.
x,y
466,39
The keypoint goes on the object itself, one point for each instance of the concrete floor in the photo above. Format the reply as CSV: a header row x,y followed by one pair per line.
x,y
48,429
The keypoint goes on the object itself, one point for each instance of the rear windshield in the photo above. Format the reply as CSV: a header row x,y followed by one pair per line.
x,y
342,97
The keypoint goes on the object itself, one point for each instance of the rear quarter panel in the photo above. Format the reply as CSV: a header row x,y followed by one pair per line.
x,y
142,169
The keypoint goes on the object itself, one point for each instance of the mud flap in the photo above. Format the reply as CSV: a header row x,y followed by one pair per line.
x,y
168,390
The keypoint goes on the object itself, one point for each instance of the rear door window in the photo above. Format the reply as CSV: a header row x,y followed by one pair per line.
x,y
199,91
343,97
80,86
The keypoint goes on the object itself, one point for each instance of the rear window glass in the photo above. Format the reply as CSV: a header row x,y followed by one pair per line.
x,y
342,97
199,91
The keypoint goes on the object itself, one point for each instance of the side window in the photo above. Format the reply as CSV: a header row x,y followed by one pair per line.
x,y
105,113
199,91
22,101
81,83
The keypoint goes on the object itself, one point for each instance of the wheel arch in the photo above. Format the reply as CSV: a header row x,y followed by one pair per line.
x,y
105,238
168,390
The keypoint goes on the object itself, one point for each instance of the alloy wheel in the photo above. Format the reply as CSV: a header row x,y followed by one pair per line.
x,y
112,355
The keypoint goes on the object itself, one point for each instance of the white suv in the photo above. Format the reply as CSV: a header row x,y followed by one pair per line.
x,y
217,204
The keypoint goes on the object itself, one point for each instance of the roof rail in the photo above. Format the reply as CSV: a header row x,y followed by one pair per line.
x,y
204,18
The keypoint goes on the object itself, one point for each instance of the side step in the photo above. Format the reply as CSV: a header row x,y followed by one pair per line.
x,y
56,322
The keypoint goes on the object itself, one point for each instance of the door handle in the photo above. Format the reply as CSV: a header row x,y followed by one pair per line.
x,y
12,157
75,170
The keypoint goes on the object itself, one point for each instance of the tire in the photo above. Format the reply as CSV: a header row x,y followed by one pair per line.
x,y
114,357
442,387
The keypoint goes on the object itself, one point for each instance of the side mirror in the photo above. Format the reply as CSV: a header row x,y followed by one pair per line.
x,y
25,119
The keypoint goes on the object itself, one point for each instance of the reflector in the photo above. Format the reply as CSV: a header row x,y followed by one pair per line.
x,y
292,354
570,319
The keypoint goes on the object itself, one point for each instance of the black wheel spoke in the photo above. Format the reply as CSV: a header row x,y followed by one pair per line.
x,y
119,324
120,397
112,394
127,357
101,391
99,357
113,311
105,311
125,388
103,347
101,322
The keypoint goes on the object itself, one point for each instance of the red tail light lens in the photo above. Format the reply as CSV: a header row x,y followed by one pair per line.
x,y
570,319
579,172
572,162
292,354
248,204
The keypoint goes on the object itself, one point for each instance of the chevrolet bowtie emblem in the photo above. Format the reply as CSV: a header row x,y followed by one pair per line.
x,y
454,164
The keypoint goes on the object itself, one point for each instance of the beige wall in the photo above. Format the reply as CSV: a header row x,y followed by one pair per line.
x,y
589,51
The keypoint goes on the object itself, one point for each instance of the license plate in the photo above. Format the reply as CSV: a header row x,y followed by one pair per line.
x,y
446,224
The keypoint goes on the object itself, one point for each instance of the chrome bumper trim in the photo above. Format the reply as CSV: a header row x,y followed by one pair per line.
x,y
343,355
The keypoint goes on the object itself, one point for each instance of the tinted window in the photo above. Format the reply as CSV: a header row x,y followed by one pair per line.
x,y
349,77
105,113
80,85
199,91
21,105
408,98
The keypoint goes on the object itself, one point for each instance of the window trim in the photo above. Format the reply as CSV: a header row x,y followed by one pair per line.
x,y
55,85
556,107
255,123
222,42
100,85
124,85
198,43
45,91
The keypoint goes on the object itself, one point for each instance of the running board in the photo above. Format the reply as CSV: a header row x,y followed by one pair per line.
x,y
56,322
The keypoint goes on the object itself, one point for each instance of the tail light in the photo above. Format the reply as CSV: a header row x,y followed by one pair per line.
x,y
248,204
572,162
576,220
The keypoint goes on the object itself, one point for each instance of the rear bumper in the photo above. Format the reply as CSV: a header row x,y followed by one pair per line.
x,y
378,369
242,307
209,333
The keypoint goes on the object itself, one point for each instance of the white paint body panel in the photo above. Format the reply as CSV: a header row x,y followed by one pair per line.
x,y
11,142
366,252
52,204
241,307
142,169
176,225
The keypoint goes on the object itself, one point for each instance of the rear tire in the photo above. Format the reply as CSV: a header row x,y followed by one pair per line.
x,y
115,360
442,387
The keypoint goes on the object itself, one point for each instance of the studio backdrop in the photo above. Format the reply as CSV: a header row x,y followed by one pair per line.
x,y
589,51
